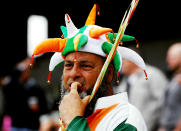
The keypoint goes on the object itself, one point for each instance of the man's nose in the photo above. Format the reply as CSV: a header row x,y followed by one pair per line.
x,y
75,72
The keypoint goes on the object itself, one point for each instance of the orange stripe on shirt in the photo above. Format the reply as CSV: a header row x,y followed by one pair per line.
x,y
97,116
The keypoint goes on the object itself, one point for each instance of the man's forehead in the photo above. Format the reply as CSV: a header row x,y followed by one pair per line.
x,y
83,56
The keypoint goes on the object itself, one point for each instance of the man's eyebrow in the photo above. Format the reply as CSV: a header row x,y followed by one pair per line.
x,y
69,61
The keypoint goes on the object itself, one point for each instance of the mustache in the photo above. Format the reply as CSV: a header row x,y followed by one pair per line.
x,y
79,80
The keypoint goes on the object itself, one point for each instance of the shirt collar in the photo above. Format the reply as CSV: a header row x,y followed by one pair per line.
x,y
107,101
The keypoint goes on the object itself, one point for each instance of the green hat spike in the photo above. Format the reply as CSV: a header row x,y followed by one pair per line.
x,y
64,31
125,38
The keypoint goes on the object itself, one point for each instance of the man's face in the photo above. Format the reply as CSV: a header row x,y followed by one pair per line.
x,y
84,69
173,59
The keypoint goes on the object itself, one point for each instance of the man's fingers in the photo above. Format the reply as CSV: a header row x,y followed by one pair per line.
x,y
74,86
86,100
73,90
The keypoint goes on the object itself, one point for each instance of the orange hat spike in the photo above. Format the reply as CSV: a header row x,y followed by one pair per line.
x,y
91,20
76,42
95,32
50,45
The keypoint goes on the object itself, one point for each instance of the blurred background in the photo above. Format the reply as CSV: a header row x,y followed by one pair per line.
x,y
155,24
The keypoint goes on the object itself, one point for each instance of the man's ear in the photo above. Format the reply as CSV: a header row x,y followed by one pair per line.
x,y
109,74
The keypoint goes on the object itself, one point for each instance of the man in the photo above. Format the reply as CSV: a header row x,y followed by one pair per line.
x,y
171,113
147,96
79,77
84,52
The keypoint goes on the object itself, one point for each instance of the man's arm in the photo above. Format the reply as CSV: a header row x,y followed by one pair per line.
x,y
79,123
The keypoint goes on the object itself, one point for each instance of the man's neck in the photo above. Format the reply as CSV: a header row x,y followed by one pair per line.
x,y
110,90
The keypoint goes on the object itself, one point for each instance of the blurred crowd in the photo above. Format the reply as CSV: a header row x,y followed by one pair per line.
x,y
24,103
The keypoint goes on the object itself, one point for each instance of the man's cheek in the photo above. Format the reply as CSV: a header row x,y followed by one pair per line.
x,y
65,84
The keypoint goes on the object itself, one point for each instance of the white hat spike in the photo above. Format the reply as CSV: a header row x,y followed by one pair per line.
x,y
132,56
71,29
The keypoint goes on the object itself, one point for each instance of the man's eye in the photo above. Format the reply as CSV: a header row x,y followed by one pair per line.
x,y
86,66
68,65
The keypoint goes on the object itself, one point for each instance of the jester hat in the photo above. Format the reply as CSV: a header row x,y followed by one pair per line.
x,y
90,38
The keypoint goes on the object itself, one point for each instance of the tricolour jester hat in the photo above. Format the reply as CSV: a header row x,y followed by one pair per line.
x,y
90,38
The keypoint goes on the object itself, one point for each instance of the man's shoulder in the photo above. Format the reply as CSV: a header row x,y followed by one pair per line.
x,y
135,118
134,112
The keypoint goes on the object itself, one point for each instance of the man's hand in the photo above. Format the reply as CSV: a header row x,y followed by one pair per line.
x,y
72,105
